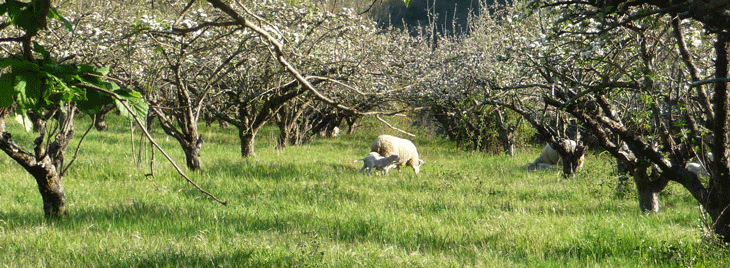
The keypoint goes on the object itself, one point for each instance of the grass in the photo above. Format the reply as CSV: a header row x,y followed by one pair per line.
x,y
308,206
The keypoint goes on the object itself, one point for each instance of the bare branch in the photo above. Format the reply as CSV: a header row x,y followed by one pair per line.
x,y
78,147
710,81
278,53
393,127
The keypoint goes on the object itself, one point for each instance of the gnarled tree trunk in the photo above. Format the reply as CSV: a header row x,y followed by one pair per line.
x,y
648,186
247,139
100,120
44,172
46,166
506,133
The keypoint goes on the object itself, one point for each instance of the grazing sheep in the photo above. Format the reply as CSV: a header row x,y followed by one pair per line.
x,y
386,145
375,160
549,158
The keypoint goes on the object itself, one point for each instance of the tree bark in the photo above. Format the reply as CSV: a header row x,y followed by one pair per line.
x,y
648,186
351,123
506,133
44,164
100,122
192,154
719,185
44,172
188,137
4,112
247,140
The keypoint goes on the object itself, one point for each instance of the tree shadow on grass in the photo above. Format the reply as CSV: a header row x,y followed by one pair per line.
x,y
150,218
244,257
238,170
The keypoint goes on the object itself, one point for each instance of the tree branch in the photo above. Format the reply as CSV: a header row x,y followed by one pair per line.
x,y
152,140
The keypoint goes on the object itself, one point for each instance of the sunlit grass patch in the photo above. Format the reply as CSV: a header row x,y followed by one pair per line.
x,y
308,206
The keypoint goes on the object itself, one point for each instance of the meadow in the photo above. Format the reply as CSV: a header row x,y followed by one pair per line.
x,y
307,206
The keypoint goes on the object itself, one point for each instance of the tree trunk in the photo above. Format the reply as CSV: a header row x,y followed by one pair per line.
x,y
37,119
44,172
285,135
506,134
648,186
718,203
187,136
351,123
100,122
45,166
572,156
247,140
192,154
50,187
4,112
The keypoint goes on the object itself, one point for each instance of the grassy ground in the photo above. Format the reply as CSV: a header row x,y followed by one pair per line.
x,y
308,206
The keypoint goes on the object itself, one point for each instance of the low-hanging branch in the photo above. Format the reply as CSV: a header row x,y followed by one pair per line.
x,y
149,137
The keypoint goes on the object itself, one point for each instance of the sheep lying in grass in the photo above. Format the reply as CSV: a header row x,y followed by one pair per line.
x,y
377,161
387,145
550,158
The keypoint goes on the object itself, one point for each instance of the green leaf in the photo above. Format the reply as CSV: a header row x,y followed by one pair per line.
x,y
6,90
103,71
13,8
27,20
53,13
5,62
85,68
28,88
94,101
21,66
41,50
134,100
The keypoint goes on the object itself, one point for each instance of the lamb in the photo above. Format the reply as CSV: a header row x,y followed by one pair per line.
x,y
549,158
375,160
386,145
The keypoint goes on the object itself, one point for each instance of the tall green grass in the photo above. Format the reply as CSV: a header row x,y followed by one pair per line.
x,y
308,206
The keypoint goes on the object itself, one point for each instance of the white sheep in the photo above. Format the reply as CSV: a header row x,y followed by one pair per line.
x,y
541,166
549,158
377,161
698,169
387,145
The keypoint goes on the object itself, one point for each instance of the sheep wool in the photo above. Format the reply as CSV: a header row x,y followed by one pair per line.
x,y
549,158
387,145
375,160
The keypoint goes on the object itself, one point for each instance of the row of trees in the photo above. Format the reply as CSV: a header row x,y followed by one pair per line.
x,y
645,81
305,69
631,78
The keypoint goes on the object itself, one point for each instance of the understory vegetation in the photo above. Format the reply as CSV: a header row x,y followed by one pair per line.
x,y
307,206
